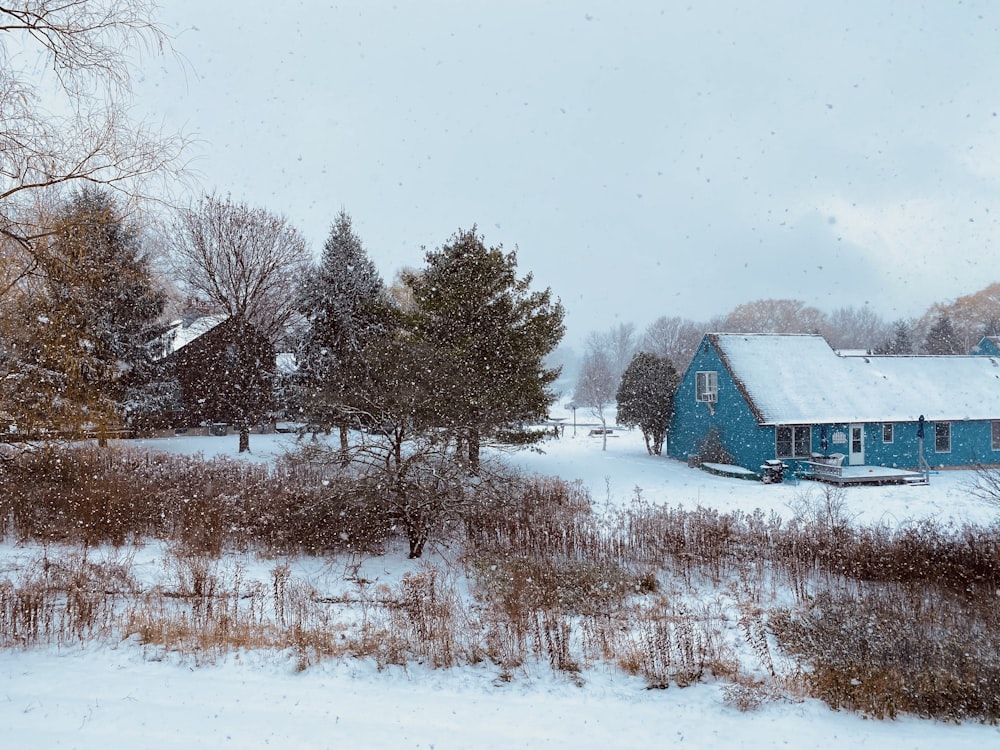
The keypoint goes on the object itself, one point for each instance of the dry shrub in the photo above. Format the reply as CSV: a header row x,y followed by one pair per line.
x,y
886,650
919,632
520,586
426,616
319,510
754,632
203,610
698,543
117,495
77,493
554,638
27,613
664,645
538,516
68,599
747,694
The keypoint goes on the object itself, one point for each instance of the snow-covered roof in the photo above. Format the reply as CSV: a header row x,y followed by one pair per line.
x,y
181,332
286,363
799,379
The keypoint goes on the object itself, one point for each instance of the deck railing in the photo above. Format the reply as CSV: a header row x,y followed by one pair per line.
x,y
821,469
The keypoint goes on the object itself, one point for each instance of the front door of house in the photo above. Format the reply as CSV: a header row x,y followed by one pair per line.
x,y
857,446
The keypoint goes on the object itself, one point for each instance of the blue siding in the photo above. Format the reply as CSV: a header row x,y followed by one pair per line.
x,y
748,443
987,347
971,444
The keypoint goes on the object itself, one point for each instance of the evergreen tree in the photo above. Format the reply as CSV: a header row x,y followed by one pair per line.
x,y
86,358
941,338
646,398
343,302
900,341
489,334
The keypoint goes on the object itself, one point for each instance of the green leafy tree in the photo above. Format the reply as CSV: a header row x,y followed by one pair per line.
x,y
489,334
646,398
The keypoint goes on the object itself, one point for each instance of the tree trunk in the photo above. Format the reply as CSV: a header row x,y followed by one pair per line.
x,y
658,443
244,439
344,456
416,540
473,452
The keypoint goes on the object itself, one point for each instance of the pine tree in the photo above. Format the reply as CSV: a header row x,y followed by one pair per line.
x,y
87,326
344,305
646,398
489,333
941,338
899,342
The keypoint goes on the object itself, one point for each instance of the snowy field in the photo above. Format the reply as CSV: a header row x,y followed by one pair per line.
x,y
119,697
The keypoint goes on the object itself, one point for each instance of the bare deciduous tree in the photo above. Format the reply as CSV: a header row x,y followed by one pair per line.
x,y
596,386
774,316
675,339
855,328
618,344
67,122
246,261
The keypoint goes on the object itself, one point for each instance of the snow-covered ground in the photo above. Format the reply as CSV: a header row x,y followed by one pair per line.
x,y
112,697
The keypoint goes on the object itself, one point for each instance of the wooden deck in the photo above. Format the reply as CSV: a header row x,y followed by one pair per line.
x,y
823,472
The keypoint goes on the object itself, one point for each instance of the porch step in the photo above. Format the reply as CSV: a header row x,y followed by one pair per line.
x,y
916,480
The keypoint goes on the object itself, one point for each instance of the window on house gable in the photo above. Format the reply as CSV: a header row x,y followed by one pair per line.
x,y
793,441
887,432
942,437
995,434
706,386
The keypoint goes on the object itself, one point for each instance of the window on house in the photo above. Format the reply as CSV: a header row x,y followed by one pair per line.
x,y
706,386
996,436
887,433
793,441
942,437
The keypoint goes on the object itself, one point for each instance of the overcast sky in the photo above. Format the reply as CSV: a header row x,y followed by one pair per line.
x,y
644,158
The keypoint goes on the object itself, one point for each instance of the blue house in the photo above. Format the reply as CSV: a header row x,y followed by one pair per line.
x,y
792,397
988,346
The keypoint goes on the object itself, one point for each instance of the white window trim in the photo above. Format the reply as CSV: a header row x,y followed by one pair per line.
x,y
710,393
793,428
892,433
936,437
994,443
